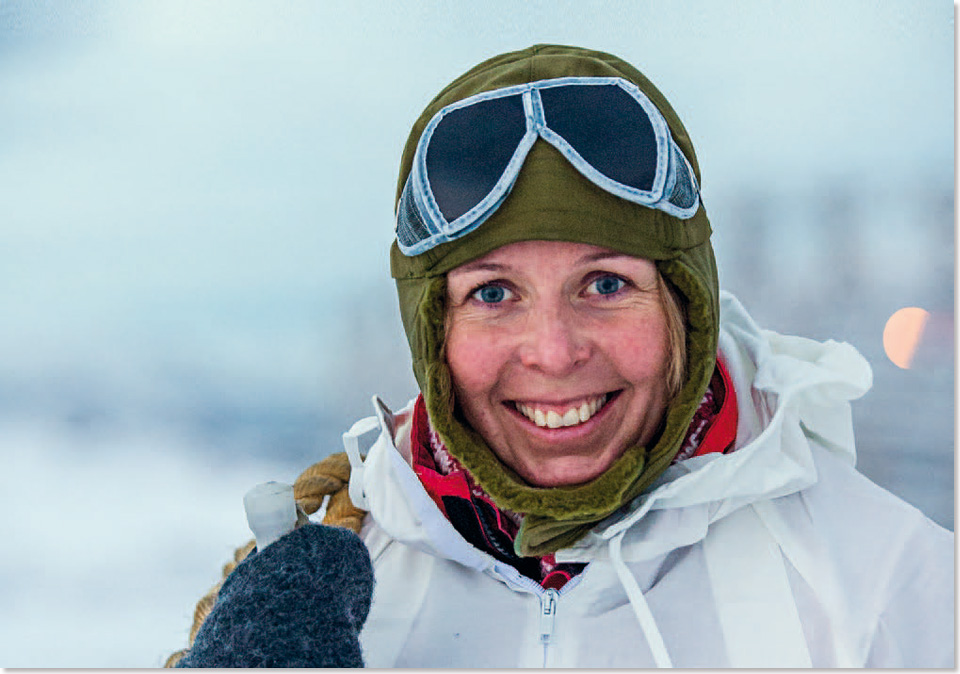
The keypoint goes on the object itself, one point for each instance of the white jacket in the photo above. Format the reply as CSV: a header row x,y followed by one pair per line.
x,y
778,554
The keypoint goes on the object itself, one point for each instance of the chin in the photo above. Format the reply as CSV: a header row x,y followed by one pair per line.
x,y
563,475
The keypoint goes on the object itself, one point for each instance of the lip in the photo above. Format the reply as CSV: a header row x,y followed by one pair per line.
x,y
560,405
563,432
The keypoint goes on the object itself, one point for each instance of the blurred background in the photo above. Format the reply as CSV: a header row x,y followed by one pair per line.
x,y
195,213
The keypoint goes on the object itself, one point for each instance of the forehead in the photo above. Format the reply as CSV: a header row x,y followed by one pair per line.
x,y
554,255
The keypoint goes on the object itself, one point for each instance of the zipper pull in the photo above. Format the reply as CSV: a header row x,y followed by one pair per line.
x,y
548,613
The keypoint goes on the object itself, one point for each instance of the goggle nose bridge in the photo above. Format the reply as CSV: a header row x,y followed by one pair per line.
x,y
533,107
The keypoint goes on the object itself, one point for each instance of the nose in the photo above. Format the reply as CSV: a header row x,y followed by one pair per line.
x,y
555,342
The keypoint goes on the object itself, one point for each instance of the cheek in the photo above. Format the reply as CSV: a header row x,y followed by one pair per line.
x,y
640,349
475,358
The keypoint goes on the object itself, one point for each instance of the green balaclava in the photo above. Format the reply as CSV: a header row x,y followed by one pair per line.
x,y
552,201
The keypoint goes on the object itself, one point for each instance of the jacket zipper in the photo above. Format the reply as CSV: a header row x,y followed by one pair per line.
x,y
548,615
549,601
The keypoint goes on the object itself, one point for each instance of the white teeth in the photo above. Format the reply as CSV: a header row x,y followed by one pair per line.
x,y
572,417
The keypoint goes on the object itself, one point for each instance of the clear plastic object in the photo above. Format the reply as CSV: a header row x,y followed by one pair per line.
x,y
271,511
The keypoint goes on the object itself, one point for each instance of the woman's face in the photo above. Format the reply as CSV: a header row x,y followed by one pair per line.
x,y
558,353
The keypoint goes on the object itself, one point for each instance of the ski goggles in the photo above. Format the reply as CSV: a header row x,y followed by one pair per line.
x,y
470,154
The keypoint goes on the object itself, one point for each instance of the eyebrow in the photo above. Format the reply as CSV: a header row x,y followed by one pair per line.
x,y
602,255
483,266
586,259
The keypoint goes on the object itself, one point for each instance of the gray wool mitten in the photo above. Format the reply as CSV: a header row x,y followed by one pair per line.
x,y
300,602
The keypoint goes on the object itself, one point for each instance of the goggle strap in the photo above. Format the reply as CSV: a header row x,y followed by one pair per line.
x,y
412,232
683,190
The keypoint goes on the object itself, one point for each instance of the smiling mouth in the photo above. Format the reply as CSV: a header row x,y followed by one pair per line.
x,y
573,415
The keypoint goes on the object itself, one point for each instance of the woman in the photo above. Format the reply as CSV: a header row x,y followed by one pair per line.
x,y
609,465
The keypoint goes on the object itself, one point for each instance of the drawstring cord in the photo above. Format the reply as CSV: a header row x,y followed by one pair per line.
x,y
639,604
351,443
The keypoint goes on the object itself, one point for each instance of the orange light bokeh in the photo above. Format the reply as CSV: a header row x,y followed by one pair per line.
x,y
902,334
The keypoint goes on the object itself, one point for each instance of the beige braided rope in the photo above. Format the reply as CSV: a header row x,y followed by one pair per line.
x,y
329,477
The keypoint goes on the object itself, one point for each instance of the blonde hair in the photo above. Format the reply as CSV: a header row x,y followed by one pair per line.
x,y
673,309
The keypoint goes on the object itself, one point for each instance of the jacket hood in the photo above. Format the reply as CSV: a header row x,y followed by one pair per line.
x,y
552,201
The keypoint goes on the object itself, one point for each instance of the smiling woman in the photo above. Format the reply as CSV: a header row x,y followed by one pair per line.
x,y
559,355
609,463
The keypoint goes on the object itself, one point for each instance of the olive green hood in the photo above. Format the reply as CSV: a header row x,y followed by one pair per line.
x,y
552,201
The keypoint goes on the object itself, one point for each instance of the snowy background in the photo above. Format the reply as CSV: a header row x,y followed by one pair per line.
x,y
195,213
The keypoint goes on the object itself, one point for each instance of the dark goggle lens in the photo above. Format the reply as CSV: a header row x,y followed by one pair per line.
x,y
469,152
608,128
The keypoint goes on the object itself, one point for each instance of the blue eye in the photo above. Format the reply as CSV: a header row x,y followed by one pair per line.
x,y
492,294
607,285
